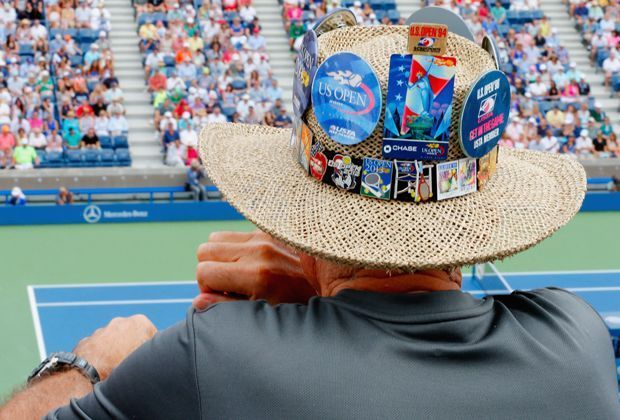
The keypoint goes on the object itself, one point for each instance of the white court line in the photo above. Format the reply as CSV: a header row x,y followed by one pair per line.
x,y
552,273
168,283
165,301
112,302
137,283
37,323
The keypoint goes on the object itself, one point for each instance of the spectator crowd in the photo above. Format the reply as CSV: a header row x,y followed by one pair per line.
x,y
58,91
301,15
203,65
208,62
599,24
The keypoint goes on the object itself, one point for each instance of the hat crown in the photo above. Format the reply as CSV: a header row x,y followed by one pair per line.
x,y
375,45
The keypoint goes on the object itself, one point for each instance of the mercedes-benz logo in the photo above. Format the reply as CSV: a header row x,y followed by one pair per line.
x,y
92,214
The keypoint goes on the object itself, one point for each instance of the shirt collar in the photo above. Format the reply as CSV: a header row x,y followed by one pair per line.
x,y
413,307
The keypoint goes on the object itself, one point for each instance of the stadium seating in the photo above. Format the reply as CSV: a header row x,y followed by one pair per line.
x,y
599,30
67,69
207,78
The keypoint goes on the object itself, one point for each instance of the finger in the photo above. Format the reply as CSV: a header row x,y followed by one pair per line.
x,y
144,324
215,276
227,236
204,300
222,251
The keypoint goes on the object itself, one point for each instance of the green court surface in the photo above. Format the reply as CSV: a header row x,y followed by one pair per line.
x,y
167,251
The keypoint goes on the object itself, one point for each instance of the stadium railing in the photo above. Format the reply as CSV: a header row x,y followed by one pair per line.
x,y
87,195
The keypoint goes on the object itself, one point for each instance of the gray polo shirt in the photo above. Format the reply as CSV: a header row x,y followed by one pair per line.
x,y
542,354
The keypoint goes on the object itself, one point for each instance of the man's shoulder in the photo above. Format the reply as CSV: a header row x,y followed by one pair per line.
x,y
554,307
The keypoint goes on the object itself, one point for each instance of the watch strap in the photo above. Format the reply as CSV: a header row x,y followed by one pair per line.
x,y
62,360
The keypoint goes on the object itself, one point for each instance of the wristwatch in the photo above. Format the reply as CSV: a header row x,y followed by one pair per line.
x,y
61,361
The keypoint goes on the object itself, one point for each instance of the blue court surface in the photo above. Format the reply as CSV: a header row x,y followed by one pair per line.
x,y
63,314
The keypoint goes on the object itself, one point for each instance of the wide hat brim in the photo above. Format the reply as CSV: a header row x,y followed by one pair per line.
x,y
531,196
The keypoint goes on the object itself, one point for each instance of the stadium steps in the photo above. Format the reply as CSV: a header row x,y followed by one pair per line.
x,y
145,150
280,56
570,38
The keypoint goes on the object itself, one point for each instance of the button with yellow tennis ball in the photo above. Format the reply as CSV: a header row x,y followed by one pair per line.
x,y
343,171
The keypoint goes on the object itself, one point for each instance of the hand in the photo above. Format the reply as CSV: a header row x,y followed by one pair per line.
x,y
110,345
235,265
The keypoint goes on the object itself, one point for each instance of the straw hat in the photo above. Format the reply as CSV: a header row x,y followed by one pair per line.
x,y
531,195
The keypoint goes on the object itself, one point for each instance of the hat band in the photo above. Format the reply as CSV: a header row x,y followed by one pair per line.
x,y
397,180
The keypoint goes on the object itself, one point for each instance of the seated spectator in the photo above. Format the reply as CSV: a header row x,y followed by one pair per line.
x,y
283,120
599,144
194,175
7,143
550,143
64,197
611,66
498,12
117,124
175,154
169,136
217,116
37,139
114,93
54,142
70,122
157,82
297,30
256,42
243,106
17,198
555,117
584,148
237,31
90,140
72,138
116,107
82,15
24,156
186,121
102,123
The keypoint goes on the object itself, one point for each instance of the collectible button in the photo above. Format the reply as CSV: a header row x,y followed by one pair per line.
x,y
418,111
344,171
318,161
427,39
489,45
337,18
305,69
487,165
485,114
413,181
377,178
456,178
295,134
434,14
305,143
346,97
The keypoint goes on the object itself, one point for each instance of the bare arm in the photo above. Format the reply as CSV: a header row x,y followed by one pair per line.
x,y
45,394
105,349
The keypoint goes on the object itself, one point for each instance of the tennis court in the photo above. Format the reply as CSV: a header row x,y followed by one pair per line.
x,y
63,314
81,276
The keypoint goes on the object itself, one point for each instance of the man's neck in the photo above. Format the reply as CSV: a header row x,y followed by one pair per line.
x,y
389,282
328,279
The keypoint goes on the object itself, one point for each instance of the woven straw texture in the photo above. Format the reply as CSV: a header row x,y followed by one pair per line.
x,y
375,45
531,196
